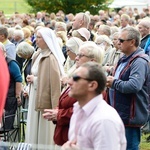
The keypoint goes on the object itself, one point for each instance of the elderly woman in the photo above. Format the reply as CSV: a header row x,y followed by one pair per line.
x,y
82,33
45,87
88,51
72,48
105,43
114,55
25,51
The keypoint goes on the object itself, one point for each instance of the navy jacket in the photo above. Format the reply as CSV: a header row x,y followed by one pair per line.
x,y
130,95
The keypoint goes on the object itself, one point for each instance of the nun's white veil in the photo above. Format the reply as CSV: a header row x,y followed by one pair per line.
x,y
51,41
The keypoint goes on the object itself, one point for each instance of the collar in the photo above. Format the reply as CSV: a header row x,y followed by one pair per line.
x,y
146,36
5,42
90,106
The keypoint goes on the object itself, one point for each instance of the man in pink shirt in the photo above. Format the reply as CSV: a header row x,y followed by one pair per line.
x,y
94,124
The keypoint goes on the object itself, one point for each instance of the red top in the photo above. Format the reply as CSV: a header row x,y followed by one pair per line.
x,y
63,118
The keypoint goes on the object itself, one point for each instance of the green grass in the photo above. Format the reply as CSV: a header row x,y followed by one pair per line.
x,y
145,145
11,6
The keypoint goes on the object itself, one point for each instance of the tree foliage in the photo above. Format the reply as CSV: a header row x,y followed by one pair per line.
x,y
68,6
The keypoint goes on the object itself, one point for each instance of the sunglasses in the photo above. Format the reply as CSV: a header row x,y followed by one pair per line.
x,y
76,78
122,40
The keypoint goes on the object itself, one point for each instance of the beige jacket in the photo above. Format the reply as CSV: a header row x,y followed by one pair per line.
x,y
48,86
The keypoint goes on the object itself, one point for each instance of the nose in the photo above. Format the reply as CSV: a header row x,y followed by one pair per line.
x,y
118,42
70,81
76,58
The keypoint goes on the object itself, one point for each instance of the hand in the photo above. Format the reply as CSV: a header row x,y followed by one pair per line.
x,y
50,114
109,81
26,91
19,102
70,146
25,94
64,80
30,78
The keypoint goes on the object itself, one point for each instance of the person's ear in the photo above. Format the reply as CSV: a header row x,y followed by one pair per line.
x,y
92,85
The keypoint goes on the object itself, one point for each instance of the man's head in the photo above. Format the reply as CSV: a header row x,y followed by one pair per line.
x,y
18,35
81,20
104,30
89,51
114,38
129,40
125,20
39,15
88,81
144,27
3,34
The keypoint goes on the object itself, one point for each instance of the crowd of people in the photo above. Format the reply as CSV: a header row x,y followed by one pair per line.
x,y
83,78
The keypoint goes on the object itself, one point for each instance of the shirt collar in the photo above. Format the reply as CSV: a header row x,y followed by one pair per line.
x,y
5,42
90,106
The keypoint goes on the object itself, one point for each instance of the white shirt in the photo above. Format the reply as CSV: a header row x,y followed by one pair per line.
x,y
101,128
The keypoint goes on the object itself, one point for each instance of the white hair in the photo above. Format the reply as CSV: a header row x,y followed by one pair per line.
x,y
24,49
19,33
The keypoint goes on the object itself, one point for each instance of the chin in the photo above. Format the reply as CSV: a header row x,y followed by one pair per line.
x,y
71,95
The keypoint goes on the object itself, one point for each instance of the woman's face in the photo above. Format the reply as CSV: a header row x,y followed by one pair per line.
x,y
40,41
115,42
82,57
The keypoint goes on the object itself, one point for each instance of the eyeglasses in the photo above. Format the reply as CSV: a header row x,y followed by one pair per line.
x,y
122,40
82,55
76,78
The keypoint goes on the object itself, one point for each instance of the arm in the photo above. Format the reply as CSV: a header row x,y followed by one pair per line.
x,y
16,74
64,115
18,92
136,78
65,110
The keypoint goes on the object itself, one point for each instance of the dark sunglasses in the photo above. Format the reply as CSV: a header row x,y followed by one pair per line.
x,y
122,40
76,78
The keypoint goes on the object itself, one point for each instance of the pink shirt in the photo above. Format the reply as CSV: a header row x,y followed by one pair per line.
x,y
100,127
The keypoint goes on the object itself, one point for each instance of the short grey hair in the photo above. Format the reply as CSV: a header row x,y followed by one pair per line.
x,y
86,19
18,32
62,24
133,33
93,51
106,29
24,49
103,38
145,22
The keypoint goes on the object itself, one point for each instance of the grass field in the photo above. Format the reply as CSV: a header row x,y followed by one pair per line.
x,y
11,6
145,145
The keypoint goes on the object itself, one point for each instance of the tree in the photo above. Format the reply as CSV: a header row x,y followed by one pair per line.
x,y
68,6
